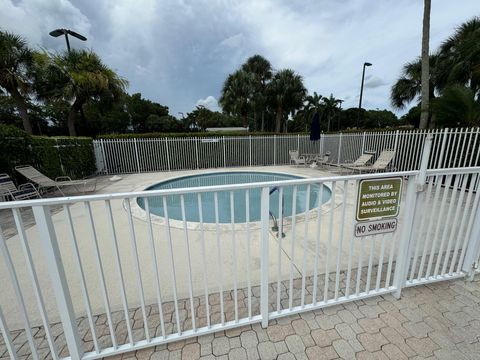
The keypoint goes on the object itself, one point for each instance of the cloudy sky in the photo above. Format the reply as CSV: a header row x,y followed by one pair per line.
x,y
179,52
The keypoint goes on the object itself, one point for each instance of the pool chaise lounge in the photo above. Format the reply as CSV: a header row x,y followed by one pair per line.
x,y
44,183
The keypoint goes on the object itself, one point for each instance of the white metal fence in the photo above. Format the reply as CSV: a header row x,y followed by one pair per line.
x,y
122,283
451,148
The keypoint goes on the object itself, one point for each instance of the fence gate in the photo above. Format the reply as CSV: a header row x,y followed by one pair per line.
x,y
90,276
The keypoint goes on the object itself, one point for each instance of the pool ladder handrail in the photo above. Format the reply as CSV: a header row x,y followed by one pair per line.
x,y
275,221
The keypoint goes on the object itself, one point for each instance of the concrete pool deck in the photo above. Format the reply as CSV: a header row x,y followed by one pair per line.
x,y
283,253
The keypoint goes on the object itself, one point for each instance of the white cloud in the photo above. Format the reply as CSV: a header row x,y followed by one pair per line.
x,y
177,52
209,102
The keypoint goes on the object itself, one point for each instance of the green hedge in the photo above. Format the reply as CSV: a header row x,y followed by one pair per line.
x,y
53,156
59,156
190,135
15,149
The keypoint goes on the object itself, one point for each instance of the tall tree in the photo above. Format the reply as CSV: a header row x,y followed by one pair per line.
x,y
261,69
286,94
331,106
460,56
457,107
16,60
236,98
425,65
79,76
408,86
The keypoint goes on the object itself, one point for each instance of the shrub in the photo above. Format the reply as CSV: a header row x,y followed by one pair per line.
x,y
15,148
72,156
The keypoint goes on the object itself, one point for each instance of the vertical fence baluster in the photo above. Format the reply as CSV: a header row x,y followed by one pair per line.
x,y
153,253
330,238
19,295
249,282
34,278
317,243
118,264
292,249
264,257
189,259
98,261
305,235
51,251
168,235
220,258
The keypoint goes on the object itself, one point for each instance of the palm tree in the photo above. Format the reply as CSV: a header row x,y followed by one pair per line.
x,y
424,114
460,56
79,76
409,85
16,61
331,106
313,105
457,107
236,98
286,94
261,69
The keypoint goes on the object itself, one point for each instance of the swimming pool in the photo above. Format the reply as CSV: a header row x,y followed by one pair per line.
x,y
239,197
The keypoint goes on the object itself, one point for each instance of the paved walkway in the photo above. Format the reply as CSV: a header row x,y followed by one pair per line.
x,y
435,321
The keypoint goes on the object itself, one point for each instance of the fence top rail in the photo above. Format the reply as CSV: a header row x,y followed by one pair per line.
x,y
201,189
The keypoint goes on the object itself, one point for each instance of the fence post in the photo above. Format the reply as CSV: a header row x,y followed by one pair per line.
x,y
405,237
104,157
363,142
415,185
250,148
264,257
275,150
339,148
136,154
196,152
395,149
298,143
224,153
442,150
427,149
56,270
168,153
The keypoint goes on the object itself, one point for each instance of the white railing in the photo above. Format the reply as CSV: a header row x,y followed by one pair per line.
x,y
451,148
124,278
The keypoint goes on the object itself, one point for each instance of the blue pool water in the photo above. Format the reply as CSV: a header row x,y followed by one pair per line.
x,y
224,211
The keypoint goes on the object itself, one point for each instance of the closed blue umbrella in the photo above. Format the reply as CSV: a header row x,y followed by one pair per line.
x,y
315,128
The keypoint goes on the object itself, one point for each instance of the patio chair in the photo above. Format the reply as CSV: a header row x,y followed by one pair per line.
x,y
43,182
361,161
8,190
381,164
323,159
296,159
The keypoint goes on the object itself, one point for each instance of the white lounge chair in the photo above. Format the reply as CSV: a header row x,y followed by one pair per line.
x,y
43,182
8,189
361,161
296,159
323,159
381,164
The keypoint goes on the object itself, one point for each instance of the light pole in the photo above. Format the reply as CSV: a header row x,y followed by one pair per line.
x,y
66,32
365,64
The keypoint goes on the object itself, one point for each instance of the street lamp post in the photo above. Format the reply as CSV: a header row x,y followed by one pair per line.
x,y
365,64
66,32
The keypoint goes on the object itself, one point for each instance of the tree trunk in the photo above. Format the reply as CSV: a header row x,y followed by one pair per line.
x,y
425,66
72,116
263,121
22,109
278,120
